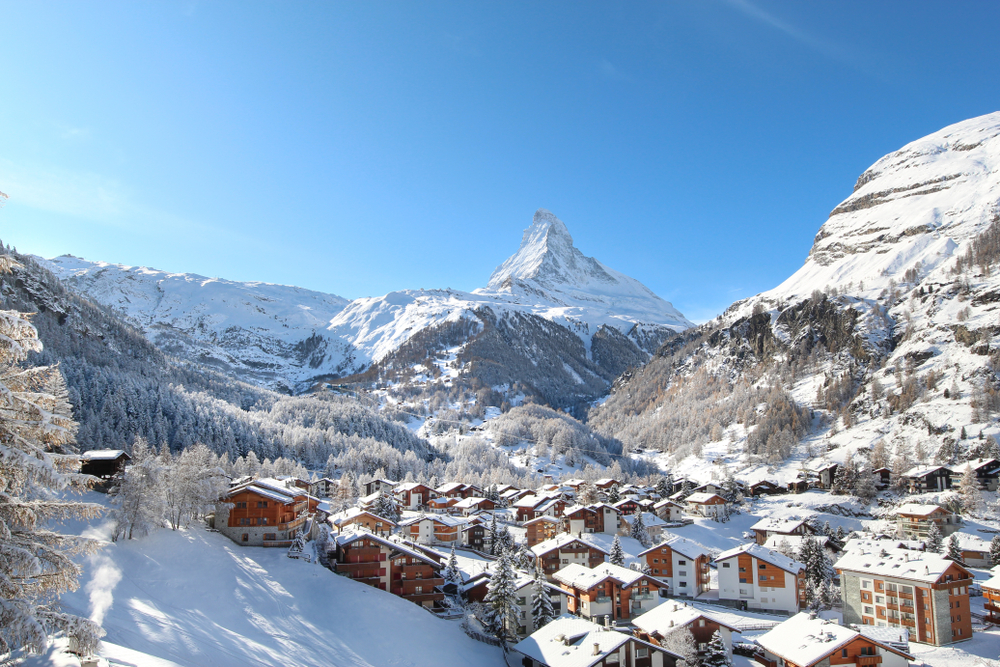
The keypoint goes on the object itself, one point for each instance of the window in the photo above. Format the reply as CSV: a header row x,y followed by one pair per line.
x,y
725,565
270,536
762,566
241,505
641,652
682,562
521,601
865,583
418,589
682,573
263,521
682,584
879,599
701,622
843,653
870,611
611,659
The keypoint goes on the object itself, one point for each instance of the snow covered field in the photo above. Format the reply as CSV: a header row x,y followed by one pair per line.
x,y
196,599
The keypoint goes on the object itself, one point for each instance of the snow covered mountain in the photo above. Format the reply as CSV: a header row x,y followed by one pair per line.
x,y
883,348
548,310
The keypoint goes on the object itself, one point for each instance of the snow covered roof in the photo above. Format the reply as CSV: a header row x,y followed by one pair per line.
x,y
703,498
444,519
529,502
672,614
665,503
648,519
805,640
545,518
450,486
976,464
681,545
777,525
922,566
923,471
269,488
352,513
569,642
794,541
896,637
970,542
350,536
410,486
916,509
562,540
762,553
103,455
992,583
584,578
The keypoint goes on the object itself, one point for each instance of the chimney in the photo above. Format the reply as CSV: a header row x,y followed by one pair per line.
x,y
671,624
597,648
607,621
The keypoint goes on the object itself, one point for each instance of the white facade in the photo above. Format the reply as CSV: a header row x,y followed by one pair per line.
x,y
746,586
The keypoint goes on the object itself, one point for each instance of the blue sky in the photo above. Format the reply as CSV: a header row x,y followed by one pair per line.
x,y
358,148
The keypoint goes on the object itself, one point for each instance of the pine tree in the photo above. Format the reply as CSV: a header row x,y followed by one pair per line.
x,y
639,532
617,553
864,485
661,488
451,573
613,495
818,569
968,489
385,507
494,551
501,596
935,542
681,642
955,549
36,435
716,654
995,551
541,604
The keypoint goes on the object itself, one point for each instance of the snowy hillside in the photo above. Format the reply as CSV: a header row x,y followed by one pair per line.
x,y
882,348
255,331
195,598
285,336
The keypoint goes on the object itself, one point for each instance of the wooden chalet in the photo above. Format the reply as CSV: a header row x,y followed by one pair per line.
x,y
472,505
608,590
806,640
575,642
681,564
924,479
355,518
264,512
377,485
765,488
668,510
433,529
404,571
672,615
103,463
705,504
914,520
565,549
766,528
626,506
413,495
826,475
991,599
458,490
542,528
987,473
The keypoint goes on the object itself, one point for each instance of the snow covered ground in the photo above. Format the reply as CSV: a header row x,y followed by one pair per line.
x,y
196,599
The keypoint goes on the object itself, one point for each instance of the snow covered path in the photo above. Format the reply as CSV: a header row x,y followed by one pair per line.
x,y
197,599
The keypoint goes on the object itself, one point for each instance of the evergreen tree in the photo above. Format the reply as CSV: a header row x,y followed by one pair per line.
x,y
955,549
864,485
501,596
716,654
995,551
385,507
541,604
661,488
818,569
617,553
845,478
639,532
681,642
451,573
613,495
36,434
494,551
968,489
935,542
841,536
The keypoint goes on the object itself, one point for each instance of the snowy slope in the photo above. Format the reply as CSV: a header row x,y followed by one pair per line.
x,y
254,330
196,599
285,336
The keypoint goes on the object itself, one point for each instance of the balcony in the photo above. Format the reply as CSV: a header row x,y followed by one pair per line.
x,y
643,596
359,570
866,660
602,598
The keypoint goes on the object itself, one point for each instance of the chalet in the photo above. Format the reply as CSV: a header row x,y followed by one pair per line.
x,y
552,507
608,518
915,520
767,528
581,519
472,505
705,504
975,550
681,564
672,615
356,518
413,495
574,642
474,535
525,592
626,506
433,529
765,488
924,479
987,473
608,590
757,578
511,496
707,488
669,511
458,490
526,506
542,528
264,512
808,641
323,488
377,485
443,504
826,475
991,599
607,483
922,591
654,525
883,477
792,544
410,573
562,550
103,463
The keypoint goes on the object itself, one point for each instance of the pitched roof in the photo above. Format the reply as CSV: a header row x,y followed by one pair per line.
x,y
681,545
761,553
922,566
467,503
348,537
562,540
649,519
702,497
922,471
450,486
445,519
805,640
672,614
777,525
103,455
353,513
917,509
569,642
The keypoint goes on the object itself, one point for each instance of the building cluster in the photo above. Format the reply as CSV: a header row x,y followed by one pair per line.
x,y
893,592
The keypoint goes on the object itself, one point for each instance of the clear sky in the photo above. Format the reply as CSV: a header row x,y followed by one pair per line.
x,y
357,148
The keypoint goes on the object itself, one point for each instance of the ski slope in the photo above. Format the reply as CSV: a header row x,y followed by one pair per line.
x,y
196,599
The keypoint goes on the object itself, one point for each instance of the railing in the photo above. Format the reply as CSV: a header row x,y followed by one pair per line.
x,y
600,599
865,660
